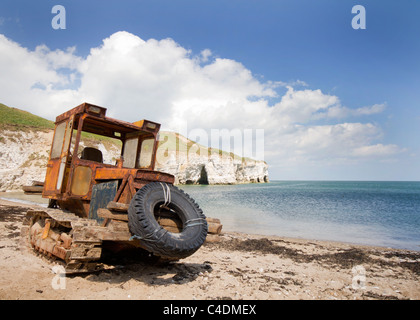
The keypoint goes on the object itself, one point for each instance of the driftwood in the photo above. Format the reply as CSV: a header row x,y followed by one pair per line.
x,y
117,211
32,189
36,187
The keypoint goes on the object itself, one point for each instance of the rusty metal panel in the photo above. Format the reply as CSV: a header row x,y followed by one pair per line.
x,y
154,176
113,173
51,176
102,194
83,108
81,180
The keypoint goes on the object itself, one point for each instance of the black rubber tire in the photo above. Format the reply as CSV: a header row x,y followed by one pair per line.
x,y
155,238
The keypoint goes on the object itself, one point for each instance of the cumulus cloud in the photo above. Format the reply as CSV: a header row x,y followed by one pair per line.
x,y
343,112
377,150
162,81
34,80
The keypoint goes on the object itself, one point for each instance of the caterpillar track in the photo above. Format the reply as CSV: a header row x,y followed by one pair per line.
x,y
61,235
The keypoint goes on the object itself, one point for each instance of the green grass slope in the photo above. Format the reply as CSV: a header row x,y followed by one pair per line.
x,y
15,119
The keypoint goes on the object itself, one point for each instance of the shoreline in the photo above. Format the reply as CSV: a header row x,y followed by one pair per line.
x,y
355,232
239,266
42,203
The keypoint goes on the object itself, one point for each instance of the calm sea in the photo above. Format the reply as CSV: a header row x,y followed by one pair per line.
x,y
372,213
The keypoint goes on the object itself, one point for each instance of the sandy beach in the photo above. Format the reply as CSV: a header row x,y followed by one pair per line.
x,y
239,266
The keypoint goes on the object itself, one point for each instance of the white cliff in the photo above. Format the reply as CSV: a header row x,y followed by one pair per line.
x,y
191,163
24,156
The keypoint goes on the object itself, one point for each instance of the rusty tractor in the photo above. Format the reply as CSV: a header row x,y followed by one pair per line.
x,y
95,201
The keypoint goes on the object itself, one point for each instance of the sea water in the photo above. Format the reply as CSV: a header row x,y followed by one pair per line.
x,y
360,212
371,213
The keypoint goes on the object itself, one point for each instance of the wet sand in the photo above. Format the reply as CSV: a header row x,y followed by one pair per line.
x,y
239,266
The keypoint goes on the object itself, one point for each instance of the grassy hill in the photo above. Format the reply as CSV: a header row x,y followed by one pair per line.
x,y
12,118
173,141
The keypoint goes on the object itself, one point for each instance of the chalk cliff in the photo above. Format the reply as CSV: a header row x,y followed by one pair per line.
x,y
191,163
24,155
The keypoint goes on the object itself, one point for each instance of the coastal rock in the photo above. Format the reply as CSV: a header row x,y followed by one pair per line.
x,y
208,167
24,156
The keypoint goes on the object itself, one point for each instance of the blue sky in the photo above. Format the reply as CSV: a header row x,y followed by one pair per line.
x,y
304,44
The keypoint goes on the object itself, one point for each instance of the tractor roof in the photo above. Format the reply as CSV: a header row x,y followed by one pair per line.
x,y
95,121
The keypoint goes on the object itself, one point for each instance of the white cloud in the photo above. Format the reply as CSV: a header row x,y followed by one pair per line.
x,y
377,150
164,82
205,54
376,108
339,111
58,59
304,105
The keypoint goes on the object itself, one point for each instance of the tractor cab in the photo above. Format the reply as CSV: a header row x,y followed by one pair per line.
x,y
78,163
